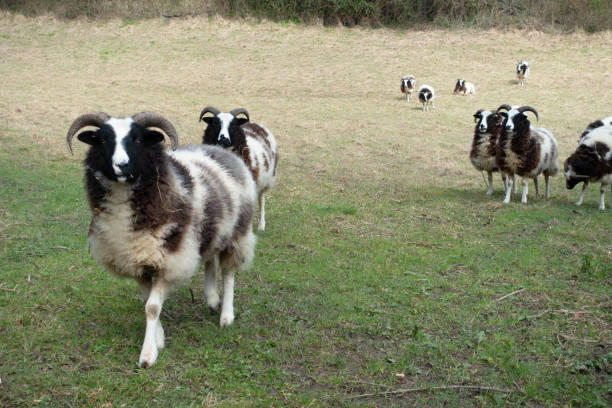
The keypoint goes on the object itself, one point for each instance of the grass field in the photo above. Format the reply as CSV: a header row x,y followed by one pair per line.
x,y
383,262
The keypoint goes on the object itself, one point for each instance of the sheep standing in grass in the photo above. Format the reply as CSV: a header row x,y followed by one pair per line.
x,y
157,215
484,144
525,150
591,162
255,144
408,85
522,72
426,96
462,87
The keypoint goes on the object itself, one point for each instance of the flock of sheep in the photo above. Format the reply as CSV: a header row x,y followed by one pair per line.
x,y
158,214
504,140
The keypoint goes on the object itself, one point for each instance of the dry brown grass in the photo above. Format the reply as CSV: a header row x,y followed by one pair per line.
x,y
330,94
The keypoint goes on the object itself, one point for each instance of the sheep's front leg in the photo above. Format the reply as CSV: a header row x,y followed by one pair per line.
x,y
514,184
154,332
227,308
525,191
584,187
602,197
210,284
490,178
537,186
262,212
547,182
509,187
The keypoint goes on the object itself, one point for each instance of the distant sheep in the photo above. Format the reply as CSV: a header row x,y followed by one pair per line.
x,y
591,162
408,86
522,72
525,150
426,96
157,215
462,87
253,143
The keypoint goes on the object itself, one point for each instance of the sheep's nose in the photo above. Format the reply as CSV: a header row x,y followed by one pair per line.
x,y
224,141
482,128
508,127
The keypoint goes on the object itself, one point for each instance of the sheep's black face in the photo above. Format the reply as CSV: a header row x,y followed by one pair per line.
x,y
119,149
224,130
516,122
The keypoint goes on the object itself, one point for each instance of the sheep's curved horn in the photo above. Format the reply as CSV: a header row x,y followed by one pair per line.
x,y
150,119
239,111
504,106
529,109
209,109
96,119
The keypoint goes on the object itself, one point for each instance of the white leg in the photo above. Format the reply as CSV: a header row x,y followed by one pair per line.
x,y
525,191
547,182
262,212
154,332
432,104
602,197
514,184
509,185
504,180
210,284
584,187
490,178
227,308
537,187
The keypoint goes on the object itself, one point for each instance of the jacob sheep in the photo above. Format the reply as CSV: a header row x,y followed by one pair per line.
x,y
157,215
594,125
591,162
522,71
525,150
462,87
426,96
255,144
484,144
408,85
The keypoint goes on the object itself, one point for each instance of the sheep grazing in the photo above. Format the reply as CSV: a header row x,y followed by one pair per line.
x,y
254,143
426,96
522,72
593,125
525,150
408,86
157,215
462,87
484,144
591,162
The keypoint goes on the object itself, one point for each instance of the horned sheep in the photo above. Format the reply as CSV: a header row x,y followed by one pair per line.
x,y
408,86
157,215
255,145
463,87
525,150
522,71
484,144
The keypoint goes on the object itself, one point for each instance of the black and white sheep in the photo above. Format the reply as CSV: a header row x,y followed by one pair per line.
x,y
595,124
522,71
463,87
255,144
591,162
484,144
408,86
426,96
157,215
525,150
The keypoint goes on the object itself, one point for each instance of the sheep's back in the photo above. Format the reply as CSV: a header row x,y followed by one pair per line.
x,y
263,155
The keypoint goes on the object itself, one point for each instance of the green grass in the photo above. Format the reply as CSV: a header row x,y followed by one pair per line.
x,y
382,256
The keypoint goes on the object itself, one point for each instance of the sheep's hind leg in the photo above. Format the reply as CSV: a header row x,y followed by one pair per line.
x,y
514,184
602,197
525,191
210,284
509,187
537,186
154,332
490,179
262,212
227,308
547,182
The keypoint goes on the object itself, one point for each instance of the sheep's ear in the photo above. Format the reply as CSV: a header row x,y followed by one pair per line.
x,y
242,121
152,137
208,119
90,137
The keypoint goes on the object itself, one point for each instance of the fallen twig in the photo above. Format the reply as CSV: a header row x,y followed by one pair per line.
x,y
14,290
510,294
310,251
559,311
424,244
570,338
478,388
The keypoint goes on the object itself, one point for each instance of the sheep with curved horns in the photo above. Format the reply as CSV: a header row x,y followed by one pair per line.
x,y
157,215
525,150
484,144
426,95
522,72
408,86
591,162
462,87
255,144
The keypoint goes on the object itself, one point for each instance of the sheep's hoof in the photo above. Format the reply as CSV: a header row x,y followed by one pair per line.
x,y
489,192
147,359
226,320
